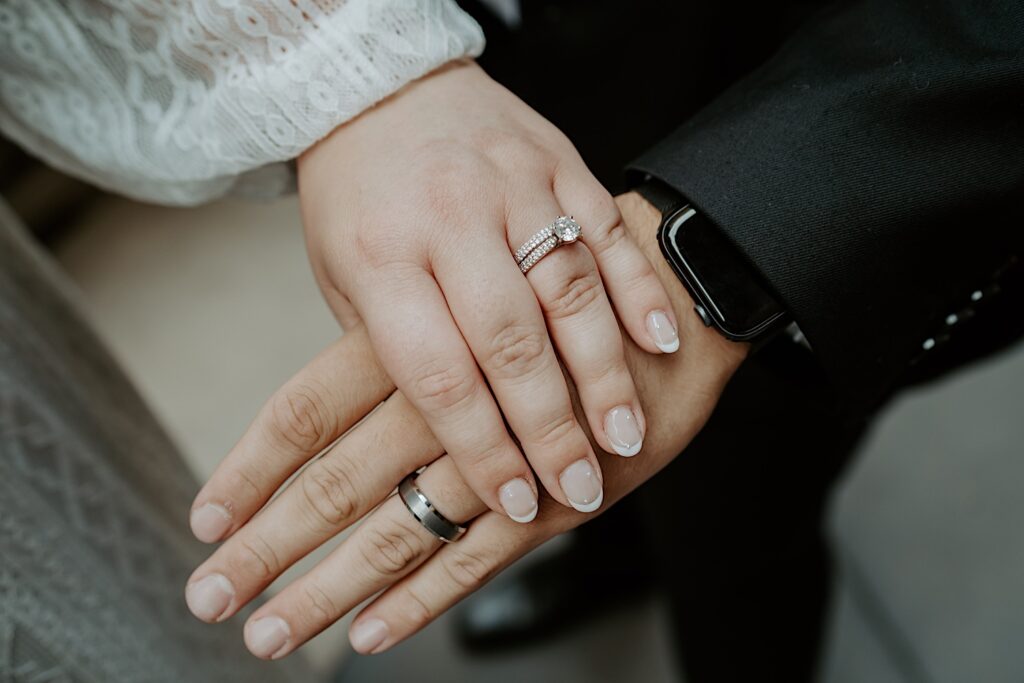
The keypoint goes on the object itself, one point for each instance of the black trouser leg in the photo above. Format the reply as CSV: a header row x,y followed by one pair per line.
x,y
737,520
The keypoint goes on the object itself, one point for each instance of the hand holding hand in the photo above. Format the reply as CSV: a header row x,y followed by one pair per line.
x,y
412,212
390,550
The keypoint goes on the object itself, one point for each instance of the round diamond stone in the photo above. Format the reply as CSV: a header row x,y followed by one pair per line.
x,y
567,229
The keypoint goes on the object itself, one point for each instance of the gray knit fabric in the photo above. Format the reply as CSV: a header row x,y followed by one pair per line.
x,y
94,544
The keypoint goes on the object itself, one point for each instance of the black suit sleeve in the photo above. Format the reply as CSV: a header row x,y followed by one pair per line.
x,y
872,170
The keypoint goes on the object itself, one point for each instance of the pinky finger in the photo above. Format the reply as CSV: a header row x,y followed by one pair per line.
x,y
640,300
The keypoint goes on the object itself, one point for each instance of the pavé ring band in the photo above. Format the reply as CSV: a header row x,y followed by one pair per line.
x,y
563,230
425,512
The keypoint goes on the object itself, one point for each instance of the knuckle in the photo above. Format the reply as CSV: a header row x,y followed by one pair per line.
x,y
639,279
318,606
466,570
606,215
300,419
391,551
611,371
255,558
495,142
517,349
416,610
610,233
573,295
331,495
243,485
489,457
442,387
555,430
506,147
375,245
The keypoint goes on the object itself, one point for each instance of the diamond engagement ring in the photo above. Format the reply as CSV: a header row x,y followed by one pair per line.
x,y
563,230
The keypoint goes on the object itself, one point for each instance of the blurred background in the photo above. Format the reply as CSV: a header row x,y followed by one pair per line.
x,y
211,309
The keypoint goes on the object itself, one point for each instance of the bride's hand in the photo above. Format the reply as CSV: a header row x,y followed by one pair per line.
x,y
412,212
390,550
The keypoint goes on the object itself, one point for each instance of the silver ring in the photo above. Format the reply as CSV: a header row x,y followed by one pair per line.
x,y
563,230
425,512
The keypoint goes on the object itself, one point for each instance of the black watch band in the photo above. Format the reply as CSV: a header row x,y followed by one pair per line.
x,y
729,294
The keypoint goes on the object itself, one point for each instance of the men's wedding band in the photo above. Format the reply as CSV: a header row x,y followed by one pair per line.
x,y
563,230
425,512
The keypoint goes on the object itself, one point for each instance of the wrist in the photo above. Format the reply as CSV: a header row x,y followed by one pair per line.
x,y
678,390
438,85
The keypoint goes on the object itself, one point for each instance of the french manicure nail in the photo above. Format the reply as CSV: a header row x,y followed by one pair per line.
x,y
663,332
581,486
209,597
210,522
268,637
367,636
623,430
519,501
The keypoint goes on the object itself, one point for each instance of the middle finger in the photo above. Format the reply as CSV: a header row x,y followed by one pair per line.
x,y
498,314
584,328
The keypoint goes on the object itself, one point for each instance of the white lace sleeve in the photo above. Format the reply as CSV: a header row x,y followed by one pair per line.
x,y
181,101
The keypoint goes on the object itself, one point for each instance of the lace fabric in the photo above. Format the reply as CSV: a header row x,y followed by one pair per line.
x,y
95,547
182,101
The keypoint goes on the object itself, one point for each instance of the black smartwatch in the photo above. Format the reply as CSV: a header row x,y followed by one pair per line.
x,y
728,293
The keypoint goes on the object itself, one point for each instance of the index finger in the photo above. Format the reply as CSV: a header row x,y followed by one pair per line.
x,y
336,390
421,346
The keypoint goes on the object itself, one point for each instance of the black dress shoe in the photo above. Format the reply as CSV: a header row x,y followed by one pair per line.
x,y
552,596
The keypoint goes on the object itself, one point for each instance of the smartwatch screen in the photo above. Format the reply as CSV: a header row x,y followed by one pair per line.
x,y
730,291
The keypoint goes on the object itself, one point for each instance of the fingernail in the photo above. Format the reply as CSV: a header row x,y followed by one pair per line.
x,y
519,501
210,522
209,597
623,430
581,486
663,332
268,637
367,636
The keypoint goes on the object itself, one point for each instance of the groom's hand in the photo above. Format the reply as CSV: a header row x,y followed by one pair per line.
x,y
390,551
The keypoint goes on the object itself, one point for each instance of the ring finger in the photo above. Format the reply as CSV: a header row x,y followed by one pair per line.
x,y
584,328
386,547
